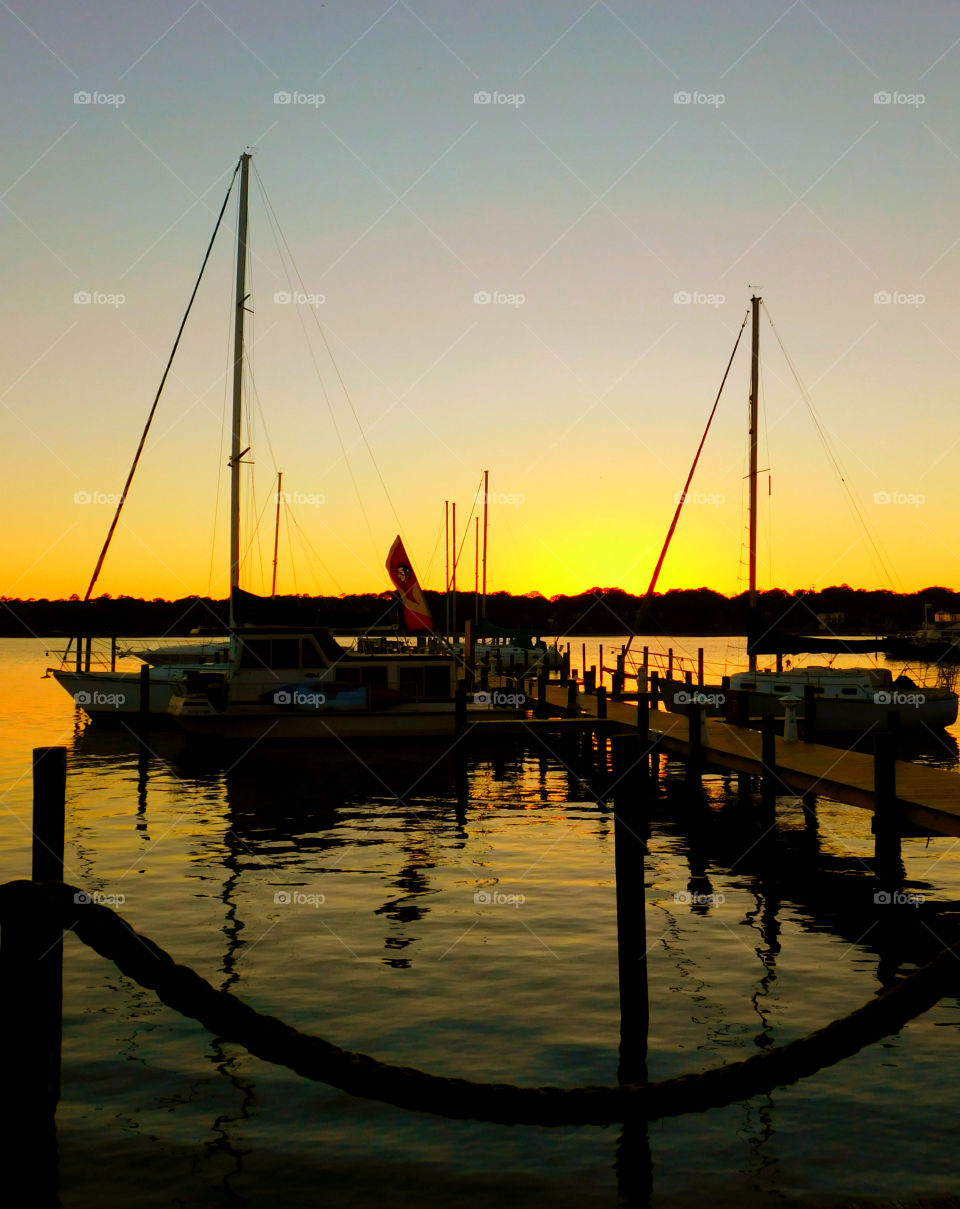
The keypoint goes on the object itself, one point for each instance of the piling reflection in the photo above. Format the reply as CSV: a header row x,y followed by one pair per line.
x,y
277,806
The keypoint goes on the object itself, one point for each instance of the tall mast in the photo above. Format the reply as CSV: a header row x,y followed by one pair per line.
x,y
235,451
446,558
754,394
486,494
453,552
476,570
276,533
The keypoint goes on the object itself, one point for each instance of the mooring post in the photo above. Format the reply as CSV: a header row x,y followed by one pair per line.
x,y
643,730
460,710
565,667
144,711
670,663
113,654
543,710
654,693
893,729
886,813
694,741
573,706
590,679
688,681
31,992
601,702
768,757
616,688
79,667
809,713
700,666
743,708
49,814
86,657
630,850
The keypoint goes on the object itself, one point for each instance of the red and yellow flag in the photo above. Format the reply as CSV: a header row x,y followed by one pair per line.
x,y
415,611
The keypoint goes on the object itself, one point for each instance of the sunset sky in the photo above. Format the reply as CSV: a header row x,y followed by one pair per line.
x,y
617,178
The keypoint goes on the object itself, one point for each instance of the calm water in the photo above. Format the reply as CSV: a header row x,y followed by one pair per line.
x,y
383,948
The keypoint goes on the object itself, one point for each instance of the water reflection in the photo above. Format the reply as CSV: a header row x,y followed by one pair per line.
x,y
413,813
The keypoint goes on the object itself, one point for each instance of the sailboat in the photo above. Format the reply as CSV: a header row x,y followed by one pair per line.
x,y
847,699
286,683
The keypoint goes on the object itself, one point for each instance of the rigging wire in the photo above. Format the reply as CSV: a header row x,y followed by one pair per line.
x,y
834,459
278,233
686,486
153,409
466,527
228,311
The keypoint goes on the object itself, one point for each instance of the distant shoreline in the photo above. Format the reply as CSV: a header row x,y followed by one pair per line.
x,y
837,611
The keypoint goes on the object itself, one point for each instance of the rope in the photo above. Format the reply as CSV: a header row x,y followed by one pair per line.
x,y
266,1037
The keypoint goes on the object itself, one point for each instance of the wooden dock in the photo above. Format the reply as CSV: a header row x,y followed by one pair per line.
x,y
917,797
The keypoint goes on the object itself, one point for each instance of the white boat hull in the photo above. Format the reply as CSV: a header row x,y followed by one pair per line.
x,y
924,708
106,695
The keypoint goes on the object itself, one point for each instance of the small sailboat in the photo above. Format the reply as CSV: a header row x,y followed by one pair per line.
x,y
280,683
270,680
847,699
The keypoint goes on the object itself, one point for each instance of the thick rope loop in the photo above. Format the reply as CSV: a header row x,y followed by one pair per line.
x,y
268,1038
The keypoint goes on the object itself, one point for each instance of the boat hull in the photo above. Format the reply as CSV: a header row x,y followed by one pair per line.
x,y
106,696
931,709
196,718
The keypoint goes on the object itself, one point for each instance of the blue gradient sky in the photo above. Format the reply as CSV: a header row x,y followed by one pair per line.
x,y
598,199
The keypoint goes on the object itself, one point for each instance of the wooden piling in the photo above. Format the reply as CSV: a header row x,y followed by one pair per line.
x,y
573,705
630,851
601,702
694,741
460,710
643,729
700,666
888,864
31,999
670,663
893,729
768,749
143,716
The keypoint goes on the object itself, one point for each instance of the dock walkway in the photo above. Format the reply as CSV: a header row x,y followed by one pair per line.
x,y
927,798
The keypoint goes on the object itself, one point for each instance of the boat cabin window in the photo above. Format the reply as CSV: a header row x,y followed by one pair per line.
x,y
849,691
781,688
255,653
285,653
744,684
310,657
279,654
436,682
